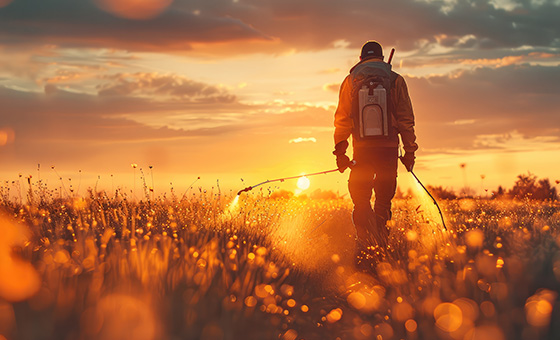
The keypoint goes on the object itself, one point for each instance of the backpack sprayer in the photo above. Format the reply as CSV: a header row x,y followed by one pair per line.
x,y
249,188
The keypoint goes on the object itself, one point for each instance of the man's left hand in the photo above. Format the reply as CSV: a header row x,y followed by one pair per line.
x,y
343,162
408,161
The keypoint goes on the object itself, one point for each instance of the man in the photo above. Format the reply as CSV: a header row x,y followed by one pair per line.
x,y
375,131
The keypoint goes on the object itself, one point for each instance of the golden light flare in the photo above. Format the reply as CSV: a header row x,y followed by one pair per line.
x,y
20,280
134,9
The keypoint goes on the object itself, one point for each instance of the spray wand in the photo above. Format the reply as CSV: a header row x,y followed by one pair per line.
x,y
432,197
283,179
423,187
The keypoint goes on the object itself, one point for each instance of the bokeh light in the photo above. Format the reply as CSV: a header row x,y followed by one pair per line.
x,y
411,326
7,135
448,316
474,238
485,332
538,308
19,280
121,317
334,315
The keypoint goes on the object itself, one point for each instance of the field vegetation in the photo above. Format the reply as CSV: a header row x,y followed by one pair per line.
x,y
209,265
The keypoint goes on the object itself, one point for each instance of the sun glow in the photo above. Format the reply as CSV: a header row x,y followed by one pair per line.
x,y
303,183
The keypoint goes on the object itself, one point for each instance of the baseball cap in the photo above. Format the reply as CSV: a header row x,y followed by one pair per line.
x,y
371,49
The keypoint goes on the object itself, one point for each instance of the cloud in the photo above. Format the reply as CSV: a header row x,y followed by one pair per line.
x,y
514,141
70,23
333,87
318,24
303,140
275,26
498,62
153,84
486,101
91,131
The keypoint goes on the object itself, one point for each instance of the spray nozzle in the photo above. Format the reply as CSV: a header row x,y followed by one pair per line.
x,y
244,190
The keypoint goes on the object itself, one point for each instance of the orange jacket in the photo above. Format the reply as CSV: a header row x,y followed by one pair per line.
x,y
402,120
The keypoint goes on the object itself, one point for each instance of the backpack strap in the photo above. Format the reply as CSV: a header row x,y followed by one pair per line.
x,y
394,76
390,102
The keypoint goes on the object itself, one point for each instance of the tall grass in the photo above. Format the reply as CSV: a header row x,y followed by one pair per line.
x,y
201,267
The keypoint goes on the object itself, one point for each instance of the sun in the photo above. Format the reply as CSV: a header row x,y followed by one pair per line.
x,y
303,183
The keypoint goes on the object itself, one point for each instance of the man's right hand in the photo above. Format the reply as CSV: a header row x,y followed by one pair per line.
x,y
343,162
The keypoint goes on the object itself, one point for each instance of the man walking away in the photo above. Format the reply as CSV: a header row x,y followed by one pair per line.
x,y
374,107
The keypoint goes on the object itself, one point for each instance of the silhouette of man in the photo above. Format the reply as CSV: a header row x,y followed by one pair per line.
x,y
376,156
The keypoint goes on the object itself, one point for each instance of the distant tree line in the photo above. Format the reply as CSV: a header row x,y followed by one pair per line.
x,y
526,186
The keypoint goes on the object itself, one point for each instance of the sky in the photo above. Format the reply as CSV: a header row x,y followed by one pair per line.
x,y
237,92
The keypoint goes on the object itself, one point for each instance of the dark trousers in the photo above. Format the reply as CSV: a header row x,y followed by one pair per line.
x,y
375,169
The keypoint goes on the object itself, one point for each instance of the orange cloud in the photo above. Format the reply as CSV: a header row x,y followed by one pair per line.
x,y
134,9
498,62
333,87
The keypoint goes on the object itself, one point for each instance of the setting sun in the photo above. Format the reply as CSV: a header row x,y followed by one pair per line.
x,y
303,183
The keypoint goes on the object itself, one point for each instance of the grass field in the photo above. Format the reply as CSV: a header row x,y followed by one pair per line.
x,y
213,266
